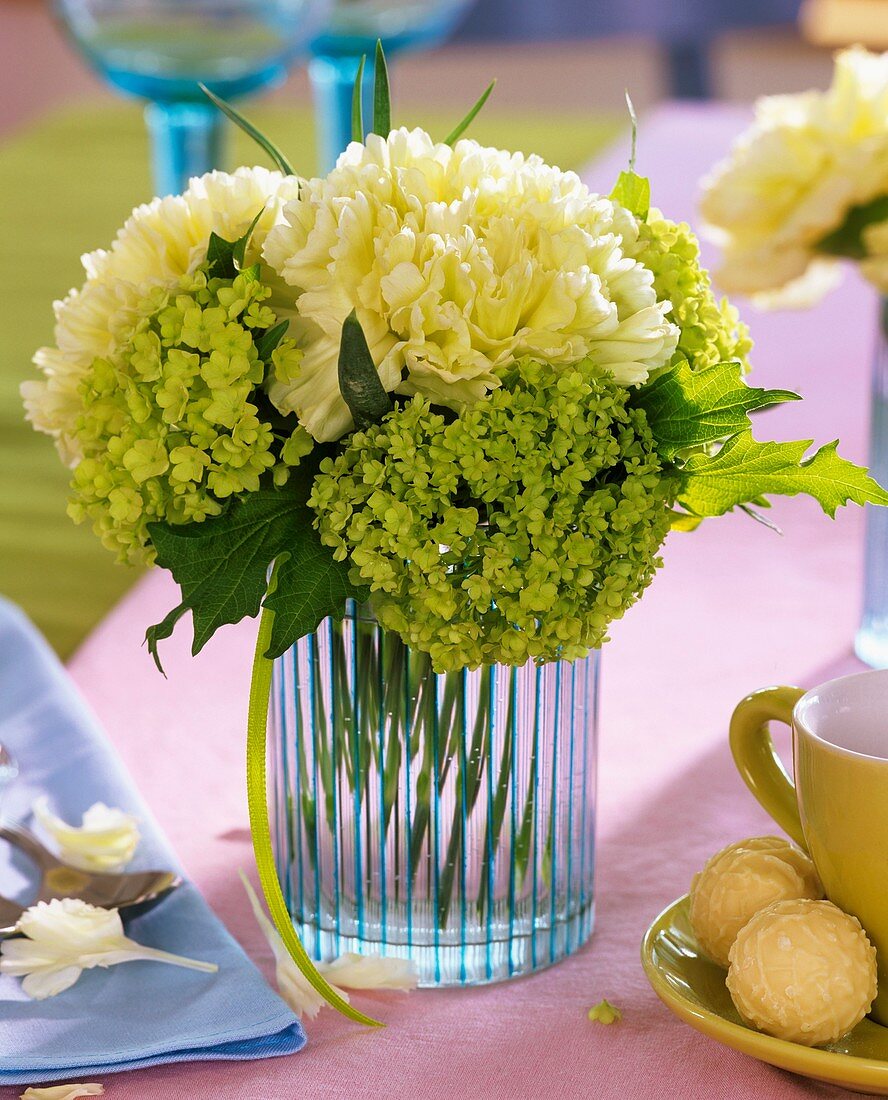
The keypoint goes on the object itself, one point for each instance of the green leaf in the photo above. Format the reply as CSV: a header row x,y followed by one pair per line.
x,y
226,258
743,469
359,380
382,100
633,193
240,245
163,629
457,132
220,258
358,103
847,240
270,339
687,408
310,586
248,128
222,564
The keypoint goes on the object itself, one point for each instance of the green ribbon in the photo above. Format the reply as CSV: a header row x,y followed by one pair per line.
x,y
257,726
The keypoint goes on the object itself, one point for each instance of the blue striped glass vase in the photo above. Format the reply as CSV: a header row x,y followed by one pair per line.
x,y
448,818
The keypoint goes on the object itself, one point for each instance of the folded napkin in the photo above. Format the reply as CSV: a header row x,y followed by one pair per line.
x,y
138,1013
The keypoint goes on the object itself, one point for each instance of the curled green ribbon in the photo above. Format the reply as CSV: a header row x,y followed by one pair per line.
x,y
257,726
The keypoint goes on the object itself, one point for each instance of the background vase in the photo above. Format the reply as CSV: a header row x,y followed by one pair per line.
x,y
448,818
871,643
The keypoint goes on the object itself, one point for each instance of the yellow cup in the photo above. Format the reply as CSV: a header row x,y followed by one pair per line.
x,y
838,807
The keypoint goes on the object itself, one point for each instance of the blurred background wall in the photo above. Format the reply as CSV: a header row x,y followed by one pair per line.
x,y
576,54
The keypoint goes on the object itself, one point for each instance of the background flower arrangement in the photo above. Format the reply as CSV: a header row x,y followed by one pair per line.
x,y
445,380
805,186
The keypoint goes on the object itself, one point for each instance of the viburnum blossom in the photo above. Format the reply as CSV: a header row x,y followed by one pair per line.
x,y
458,261
521,528
173,420
159,243
710,331
793,178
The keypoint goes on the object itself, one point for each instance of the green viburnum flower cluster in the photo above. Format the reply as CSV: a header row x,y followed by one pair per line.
x,y
711,329
170,428
519,528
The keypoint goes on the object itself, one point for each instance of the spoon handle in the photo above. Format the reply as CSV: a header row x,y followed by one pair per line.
x,y
26,842
10,911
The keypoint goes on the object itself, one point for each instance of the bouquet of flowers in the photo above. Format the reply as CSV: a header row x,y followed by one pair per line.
x,y
445,379
806,186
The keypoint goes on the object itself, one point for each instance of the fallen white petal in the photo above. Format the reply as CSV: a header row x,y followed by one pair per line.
x,y
351,970
370,972
64,937
62,1092
293,986
106,840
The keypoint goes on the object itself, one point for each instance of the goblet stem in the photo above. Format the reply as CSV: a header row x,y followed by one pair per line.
x,y
332,81
187,139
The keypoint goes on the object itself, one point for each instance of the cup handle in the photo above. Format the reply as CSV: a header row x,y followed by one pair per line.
x,y
757,760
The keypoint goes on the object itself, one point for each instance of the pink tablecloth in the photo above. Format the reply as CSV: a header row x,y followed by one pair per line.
x,y
736,607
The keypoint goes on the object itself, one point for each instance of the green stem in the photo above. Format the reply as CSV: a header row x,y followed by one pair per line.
x,y
495,820
469,782
257,787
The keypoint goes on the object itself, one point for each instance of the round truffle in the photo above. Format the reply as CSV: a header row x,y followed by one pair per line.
x,y
803,971
740,880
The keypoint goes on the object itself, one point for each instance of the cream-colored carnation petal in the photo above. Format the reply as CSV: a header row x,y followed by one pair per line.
x,y
371,972
161,241
63,1092
795,174
63,937
458,261
351,970
106,840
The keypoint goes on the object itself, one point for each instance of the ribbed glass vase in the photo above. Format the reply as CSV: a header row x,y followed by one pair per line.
x,y
871,643
448,818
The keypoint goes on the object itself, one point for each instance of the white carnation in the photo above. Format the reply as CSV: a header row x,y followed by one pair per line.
x,y
793,177
159,242
457,262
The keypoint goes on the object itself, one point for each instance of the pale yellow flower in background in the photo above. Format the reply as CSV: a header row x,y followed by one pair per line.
x,y
62,1092
458,261
106,840
60,939
792,178
160,242
353,971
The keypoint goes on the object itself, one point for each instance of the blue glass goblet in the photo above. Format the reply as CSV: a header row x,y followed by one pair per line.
x,y
351,32
160,49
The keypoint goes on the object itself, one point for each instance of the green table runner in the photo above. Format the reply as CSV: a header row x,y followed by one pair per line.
x,y
68,183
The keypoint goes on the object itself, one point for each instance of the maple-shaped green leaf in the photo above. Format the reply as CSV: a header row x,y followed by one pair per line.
x,y
744,468
687,408
310,586
222,565
633,192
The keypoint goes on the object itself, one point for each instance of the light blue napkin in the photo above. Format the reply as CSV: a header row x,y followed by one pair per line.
x,y
135,1014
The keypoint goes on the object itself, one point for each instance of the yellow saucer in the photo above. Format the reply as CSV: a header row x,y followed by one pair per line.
x,y
694,988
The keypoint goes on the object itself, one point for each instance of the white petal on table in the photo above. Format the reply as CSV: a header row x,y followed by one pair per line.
x,y
64,937
354,971
62,1092
106,840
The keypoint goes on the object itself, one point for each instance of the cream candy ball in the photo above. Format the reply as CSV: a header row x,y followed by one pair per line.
x,y
803,971
740,880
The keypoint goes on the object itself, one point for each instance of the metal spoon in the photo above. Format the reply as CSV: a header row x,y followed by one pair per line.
x,y
8,769
124,890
